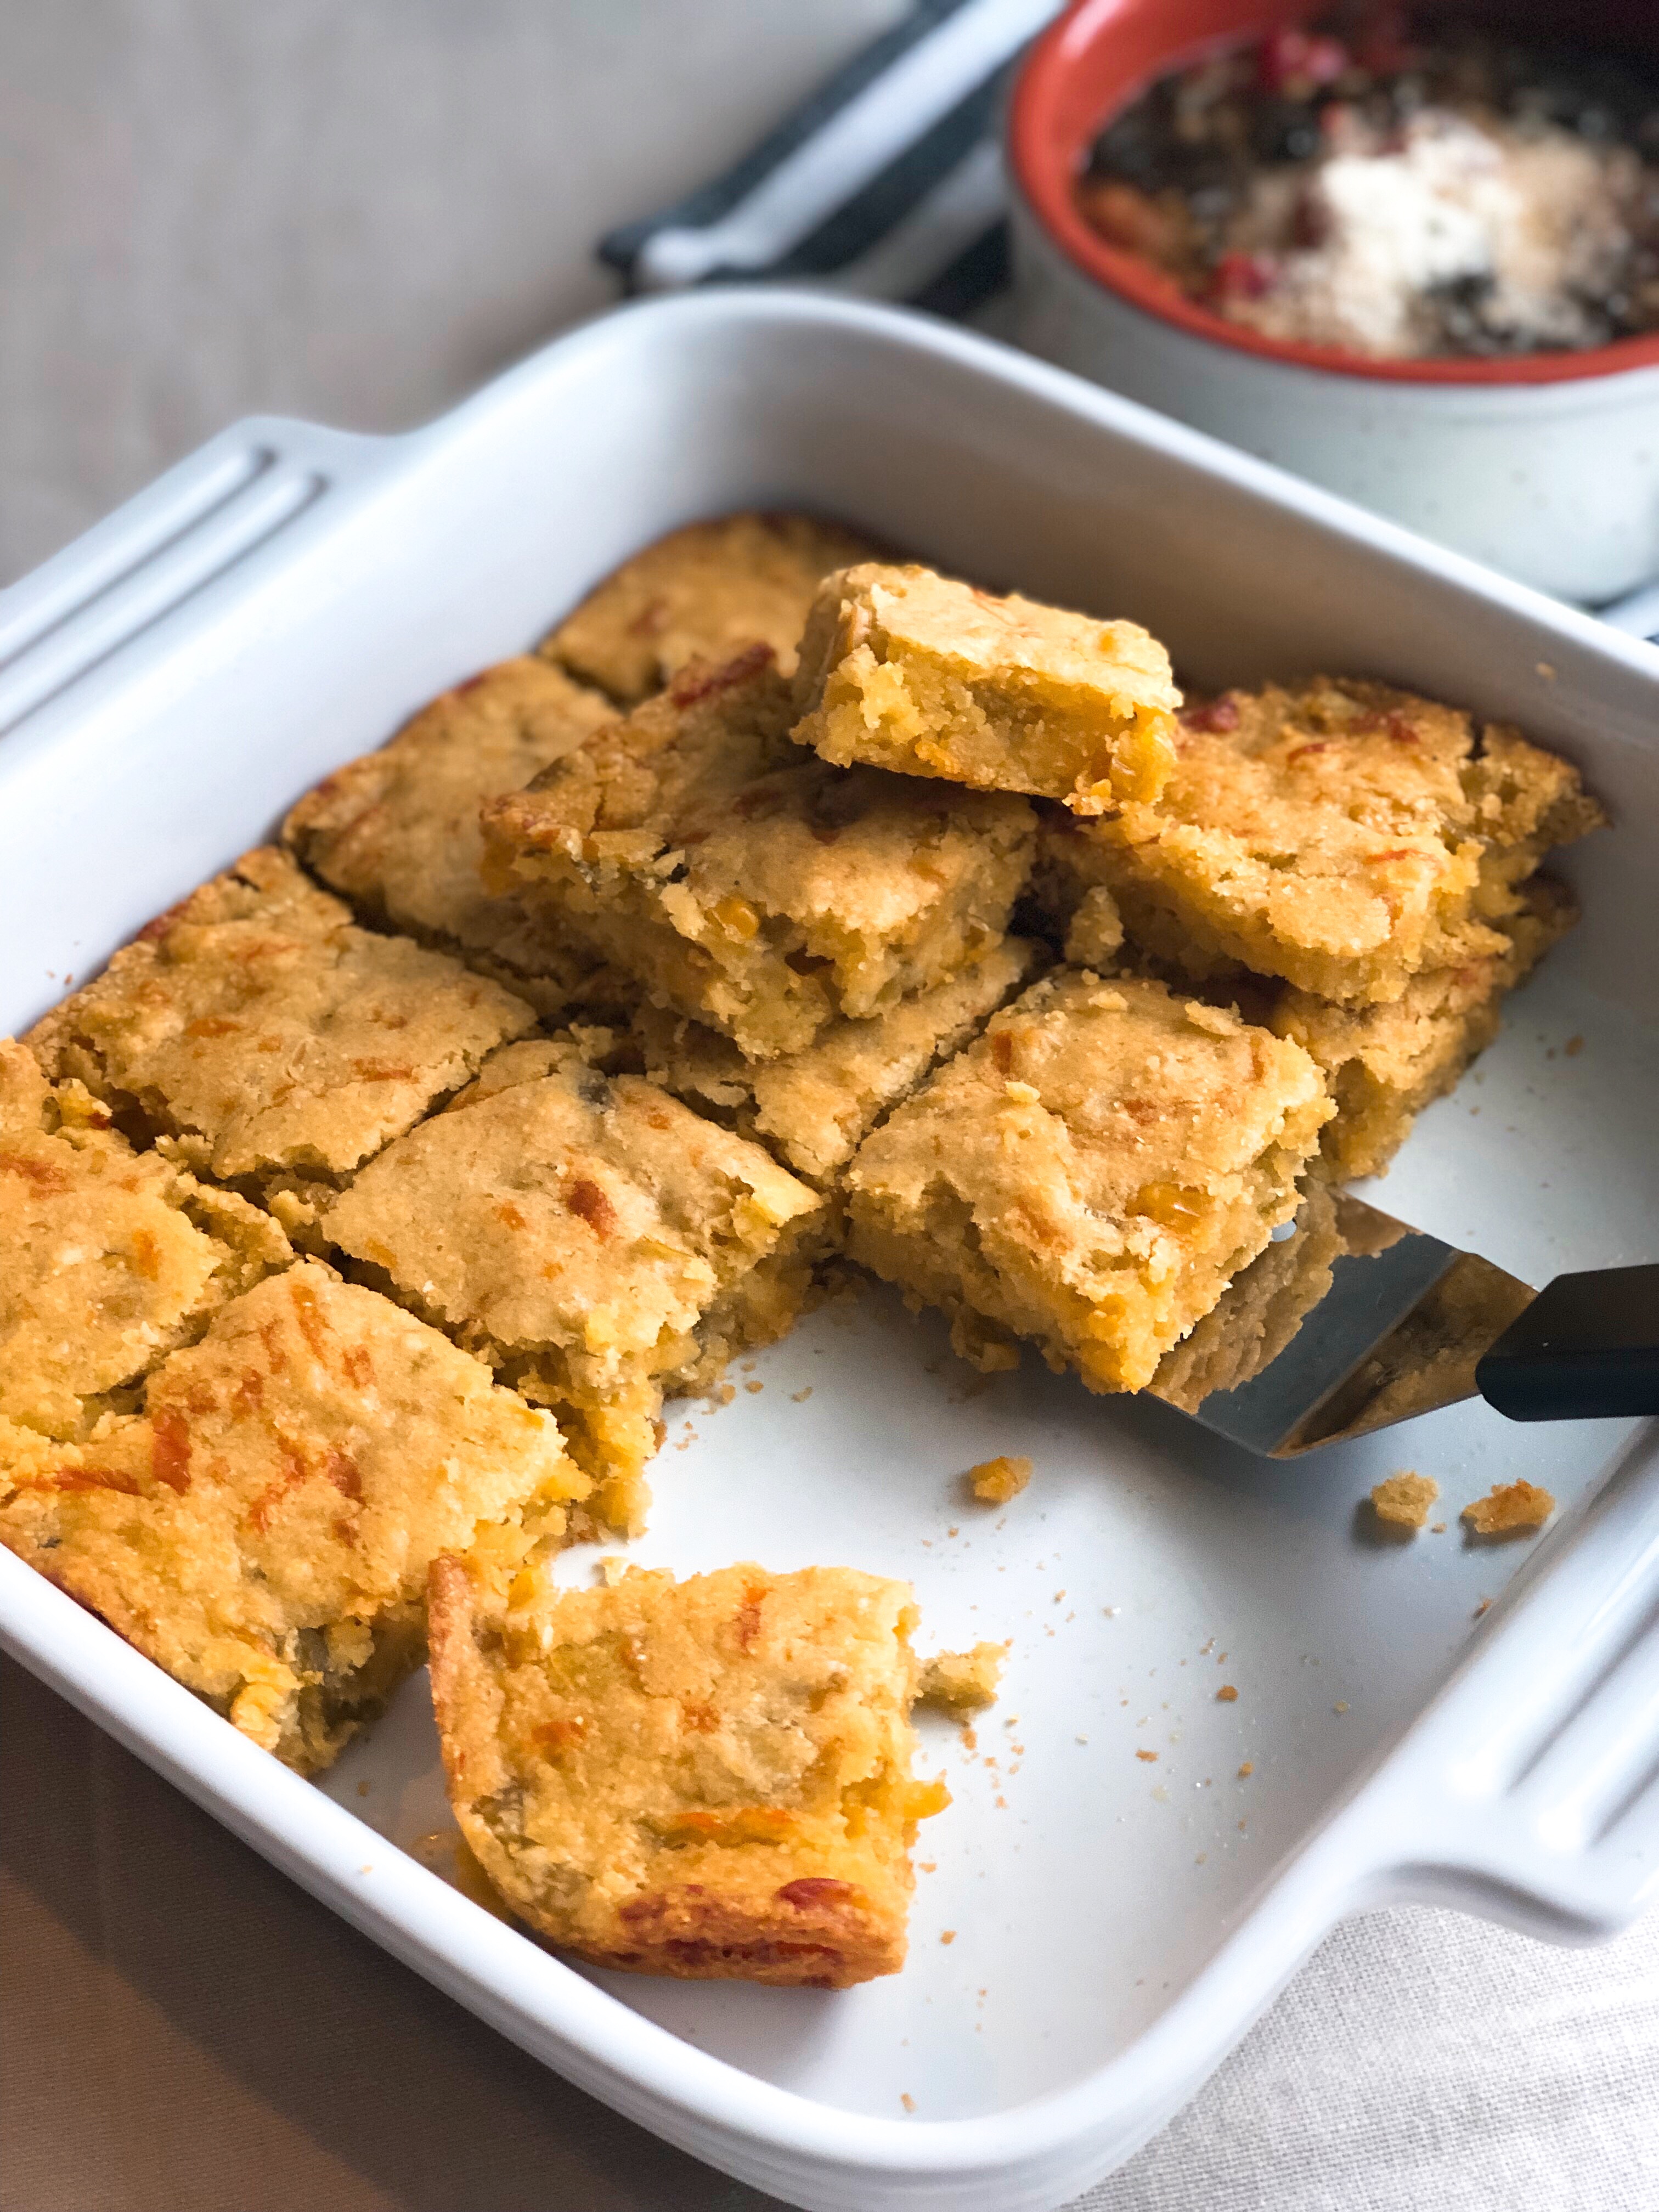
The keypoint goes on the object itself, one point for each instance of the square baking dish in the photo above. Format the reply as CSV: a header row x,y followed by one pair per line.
x,y
1097,1926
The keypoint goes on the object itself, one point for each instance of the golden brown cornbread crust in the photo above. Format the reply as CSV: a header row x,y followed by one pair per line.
x,y
910,670
701,594
1343,835
263,1527
747,883
1385,1064
813,1108
591,1238
708,1778
396,832
109,1259
266,1039
1089,1174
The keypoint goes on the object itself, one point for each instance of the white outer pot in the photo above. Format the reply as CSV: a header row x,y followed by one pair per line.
x,y
1557,484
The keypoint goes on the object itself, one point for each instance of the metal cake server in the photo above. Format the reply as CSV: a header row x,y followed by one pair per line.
x,y
1351,1320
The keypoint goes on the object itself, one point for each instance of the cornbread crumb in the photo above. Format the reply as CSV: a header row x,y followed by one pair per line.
x,y
708,1778
1247,1768
906,2101
1403,1499
947,1935
961,1681
1227,1695
994,1481
1573,1047
1509,1509
1095,936
1149,1756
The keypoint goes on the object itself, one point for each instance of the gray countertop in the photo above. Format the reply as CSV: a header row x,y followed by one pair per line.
x,y
357,212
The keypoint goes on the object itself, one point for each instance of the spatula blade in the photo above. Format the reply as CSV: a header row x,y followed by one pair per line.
x,y
1350,1323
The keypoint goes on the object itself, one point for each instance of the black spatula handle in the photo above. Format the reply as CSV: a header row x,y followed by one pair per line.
x,y
1587,1348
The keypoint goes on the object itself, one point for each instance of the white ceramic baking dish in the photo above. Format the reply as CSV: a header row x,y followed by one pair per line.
x,y
275,605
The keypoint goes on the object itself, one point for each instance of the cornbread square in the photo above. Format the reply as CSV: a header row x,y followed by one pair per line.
x,y
600,1244
1092,1174
747,883
701,594
396,832
708,1778
913,671
263,1527
1343,835
1384,1064
109,1259
813,1108
267,1041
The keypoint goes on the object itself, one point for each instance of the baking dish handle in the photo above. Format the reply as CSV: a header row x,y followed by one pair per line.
x,y
212,513
1530,1792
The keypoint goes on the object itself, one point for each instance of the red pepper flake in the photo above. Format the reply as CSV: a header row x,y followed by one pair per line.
x,y
589,1203
169,1456
650,619
700,681
745,1624
1295,62
813,1889
1244,276
44,1175
1218,715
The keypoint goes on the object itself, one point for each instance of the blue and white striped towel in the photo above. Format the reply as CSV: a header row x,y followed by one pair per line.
x,y
887,182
